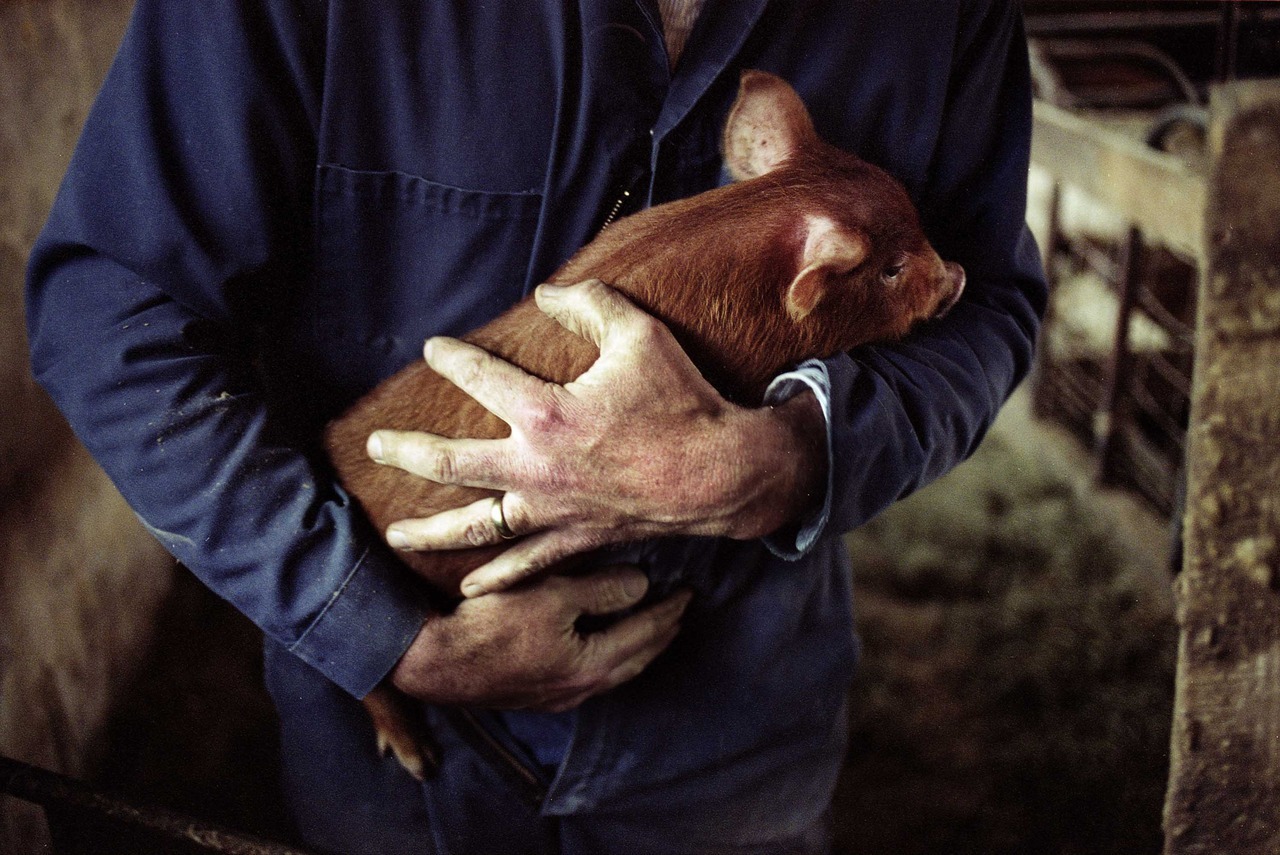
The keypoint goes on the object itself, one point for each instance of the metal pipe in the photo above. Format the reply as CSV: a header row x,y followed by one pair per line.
x,y
68,799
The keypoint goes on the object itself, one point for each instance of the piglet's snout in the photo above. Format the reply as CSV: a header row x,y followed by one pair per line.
x,y
953,286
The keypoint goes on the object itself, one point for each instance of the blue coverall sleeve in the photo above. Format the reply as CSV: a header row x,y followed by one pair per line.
x,y
901,415
182,223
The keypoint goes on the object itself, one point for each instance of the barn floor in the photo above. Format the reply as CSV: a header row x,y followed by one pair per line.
x,y
1017,686
1015,694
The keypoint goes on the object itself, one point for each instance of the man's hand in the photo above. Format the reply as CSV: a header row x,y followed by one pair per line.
x,y
520,649
639,446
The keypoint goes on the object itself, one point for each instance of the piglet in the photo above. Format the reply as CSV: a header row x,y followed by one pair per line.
x,y
811,251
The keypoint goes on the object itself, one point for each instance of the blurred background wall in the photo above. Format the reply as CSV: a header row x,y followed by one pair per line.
x,y
80,580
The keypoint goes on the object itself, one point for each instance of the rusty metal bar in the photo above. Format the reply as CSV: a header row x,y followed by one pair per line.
x,y
83,819
1113,413
1227,49
1111,21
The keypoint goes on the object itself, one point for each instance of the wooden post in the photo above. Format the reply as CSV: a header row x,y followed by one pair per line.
x,y
1224,785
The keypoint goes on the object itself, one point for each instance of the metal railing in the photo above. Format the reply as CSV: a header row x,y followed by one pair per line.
x,y
85,820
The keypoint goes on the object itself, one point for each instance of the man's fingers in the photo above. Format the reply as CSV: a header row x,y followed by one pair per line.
x,y
607,591
500,387
632,643
616,655
460,528
592,310
628,669
524,560
631,667
463,462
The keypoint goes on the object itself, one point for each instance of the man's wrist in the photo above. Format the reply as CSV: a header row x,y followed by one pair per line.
x,y
785,444
408,673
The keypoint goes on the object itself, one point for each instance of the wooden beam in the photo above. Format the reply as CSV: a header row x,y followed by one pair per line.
x,y
1155,191
1224,786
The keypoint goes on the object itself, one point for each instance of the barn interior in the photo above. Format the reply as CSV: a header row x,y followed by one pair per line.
x,y
1019,618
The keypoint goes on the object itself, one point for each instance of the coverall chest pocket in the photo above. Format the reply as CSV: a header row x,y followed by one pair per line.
x,y
400,258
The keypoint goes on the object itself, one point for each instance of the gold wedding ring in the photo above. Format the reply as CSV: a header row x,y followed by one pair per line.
x,y
499,519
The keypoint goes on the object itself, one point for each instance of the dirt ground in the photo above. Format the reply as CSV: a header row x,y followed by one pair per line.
x,y
1017,685
1015,694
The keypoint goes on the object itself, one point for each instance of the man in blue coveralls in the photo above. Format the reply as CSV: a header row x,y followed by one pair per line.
x,y
275,202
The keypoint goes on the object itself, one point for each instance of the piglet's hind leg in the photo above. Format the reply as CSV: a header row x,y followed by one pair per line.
x,y
398,730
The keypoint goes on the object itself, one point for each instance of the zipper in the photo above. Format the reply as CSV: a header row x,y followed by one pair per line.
x,y
530,783
617,206
628,192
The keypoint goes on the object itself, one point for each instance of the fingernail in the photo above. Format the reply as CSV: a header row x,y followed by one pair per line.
x,y
426,349
549,290
374,447
635,584
397,538
471,589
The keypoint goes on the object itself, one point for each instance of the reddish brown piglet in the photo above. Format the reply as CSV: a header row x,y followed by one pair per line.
x,y
811,252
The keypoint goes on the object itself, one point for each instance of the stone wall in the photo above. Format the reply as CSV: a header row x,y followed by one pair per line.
x,y
80,580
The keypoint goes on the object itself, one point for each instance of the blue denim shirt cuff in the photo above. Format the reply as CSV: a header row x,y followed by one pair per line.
x,y
812,375
366,627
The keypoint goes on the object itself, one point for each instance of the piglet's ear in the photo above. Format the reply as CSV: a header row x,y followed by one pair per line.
x,y
829,251
766,124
